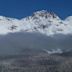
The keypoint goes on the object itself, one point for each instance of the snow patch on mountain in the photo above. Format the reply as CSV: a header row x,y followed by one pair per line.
x,y
54,51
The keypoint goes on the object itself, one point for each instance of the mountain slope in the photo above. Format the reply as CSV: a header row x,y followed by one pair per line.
x,y
43,22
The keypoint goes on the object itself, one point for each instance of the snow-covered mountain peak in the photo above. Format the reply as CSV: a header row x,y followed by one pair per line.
x,y
45,14
69,19
2,17
43,22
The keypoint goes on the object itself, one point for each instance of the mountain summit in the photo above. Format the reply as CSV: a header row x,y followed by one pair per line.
x,y
43,22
